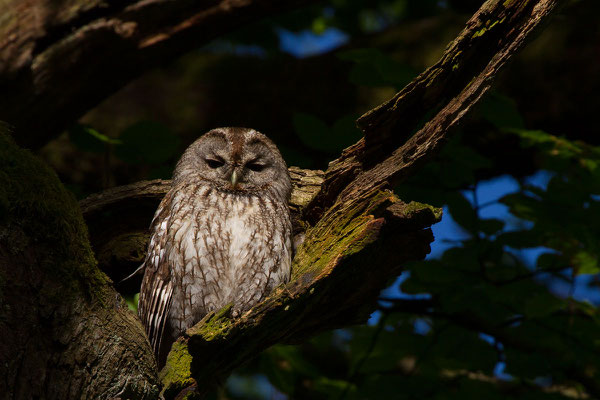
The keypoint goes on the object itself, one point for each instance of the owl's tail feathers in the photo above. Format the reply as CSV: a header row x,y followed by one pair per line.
x,y
138,271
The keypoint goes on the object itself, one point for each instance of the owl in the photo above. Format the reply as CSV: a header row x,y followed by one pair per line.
x,y
222,234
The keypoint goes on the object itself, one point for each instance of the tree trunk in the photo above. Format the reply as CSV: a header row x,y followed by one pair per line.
x,y
66,333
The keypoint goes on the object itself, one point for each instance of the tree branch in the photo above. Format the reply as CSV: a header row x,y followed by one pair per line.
x,y
390,152
379,230
45,46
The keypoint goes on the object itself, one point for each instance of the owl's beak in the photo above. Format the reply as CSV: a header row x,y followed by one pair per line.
x,y
234,178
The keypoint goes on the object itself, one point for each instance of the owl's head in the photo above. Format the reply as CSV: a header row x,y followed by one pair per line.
x,y
236,160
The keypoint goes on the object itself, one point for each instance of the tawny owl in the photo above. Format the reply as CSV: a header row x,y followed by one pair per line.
x,y
221,235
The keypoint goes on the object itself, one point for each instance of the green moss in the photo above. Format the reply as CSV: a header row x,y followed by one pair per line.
x,y
341,234
176,375
488,26
414,207
480,32
36,207
214,325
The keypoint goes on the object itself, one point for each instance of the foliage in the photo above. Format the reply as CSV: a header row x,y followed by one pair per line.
x,y
479,321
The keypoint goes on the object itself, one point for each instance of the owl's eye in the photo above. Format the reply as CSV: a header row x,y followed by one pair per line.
x,y
215,162
255,166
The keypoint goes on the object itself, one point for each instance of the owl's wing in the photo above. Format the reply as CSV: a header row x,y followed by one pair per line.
x,y
157,287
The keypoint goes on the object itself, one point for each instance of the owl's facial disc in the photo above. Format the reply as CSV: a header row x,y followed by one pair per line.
x,y
235,160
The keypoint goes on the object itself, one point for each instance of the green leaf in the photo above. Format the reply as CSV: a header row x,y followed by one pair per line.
x,y
147,142
366,74
333,387
524,207
359,55
520,239
490,226
586,263
374,68
541,304
550,261
345,131
88,139
319,25
501,111
315,133
457,153
462,212
132,301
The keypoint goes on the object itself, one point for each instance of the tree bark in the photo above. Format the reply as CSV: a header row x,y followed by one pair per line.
x,y
357,233
45,46
66,333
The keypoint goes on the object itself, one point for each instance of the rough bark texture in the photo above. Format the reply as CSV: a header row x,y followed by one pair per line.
x,y
407,130
66,333
45,46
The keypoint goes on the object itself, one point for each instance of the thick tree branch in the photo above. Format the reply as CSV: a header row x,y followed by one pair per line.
x,y
390,151
45,46
378,231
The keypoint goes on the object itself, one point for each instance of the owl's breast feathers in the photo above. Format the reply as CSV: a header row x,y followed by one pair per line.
x,y
207,249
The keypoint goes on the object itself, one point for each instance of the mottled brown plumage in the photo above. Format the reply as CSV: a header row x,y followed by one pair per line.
x,y
221,235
